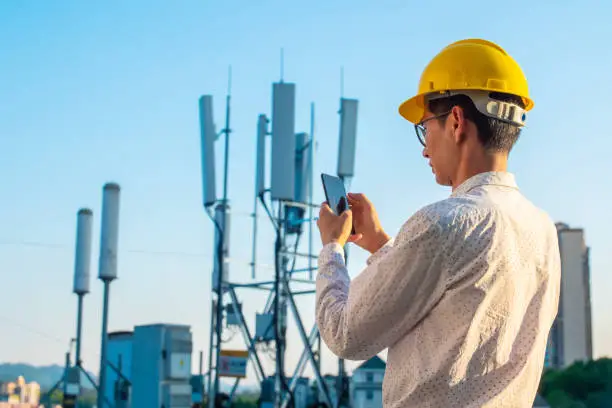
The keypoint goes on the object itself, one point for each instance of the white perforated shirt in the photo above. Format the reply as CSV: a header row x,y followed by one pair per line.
x,y
463,298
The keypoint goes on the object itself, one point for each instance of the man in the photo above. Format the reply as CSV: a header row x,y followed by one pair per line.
x,y
465,295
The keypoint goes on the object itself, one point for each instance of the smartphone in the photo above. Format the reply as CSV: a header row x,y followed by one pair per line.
x,y
335,194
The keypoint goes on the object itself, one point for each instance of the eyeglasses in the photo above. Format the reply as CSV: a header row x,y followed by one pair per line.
x,y
421,130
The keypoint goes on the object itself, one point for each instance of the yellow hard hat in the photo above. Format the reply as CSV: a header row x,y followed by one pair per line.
x,y
470,65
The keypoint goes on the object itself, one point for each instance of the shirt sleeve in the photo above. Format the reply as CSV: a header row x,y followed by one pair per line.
x,y
400,285
381,252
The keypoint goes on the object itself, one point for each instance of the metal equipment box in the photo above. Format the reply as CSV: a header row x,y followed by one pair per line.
x,y
161,366
264,327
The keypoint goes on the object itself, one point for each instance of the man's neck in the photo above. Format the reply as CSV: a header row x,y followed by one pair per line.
x,y
482,163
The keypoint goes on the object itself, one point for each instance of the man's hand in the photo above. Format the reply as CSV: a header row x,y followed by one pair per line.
x,y
335,228
369,234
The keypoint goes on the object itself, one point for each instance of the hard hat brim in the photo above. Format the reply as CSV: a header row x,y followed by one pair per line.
x,y
413,109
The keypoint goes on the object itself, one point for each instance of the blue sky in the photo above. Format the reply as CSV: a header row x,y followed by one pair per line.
x,y
92,93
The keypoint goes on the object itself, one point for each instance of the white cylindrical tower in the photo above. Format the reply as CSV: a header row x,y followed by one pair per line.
x,y
107,272
82,258
109,235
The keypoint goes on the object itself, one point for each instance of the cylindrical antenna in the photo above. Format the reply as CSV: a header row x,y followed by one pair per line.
x,y
82,262
82,258
109,232
109,239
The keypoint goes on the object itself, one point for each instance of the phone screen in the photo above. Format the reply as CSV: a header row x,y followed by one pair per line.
x,y
335,193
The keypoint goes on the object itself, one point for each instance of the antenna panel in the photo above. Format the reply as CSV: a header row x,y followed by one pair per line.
x,y
208,136
295,214
260,176
283,141
302,175
348,137
82,259
109,236
222,218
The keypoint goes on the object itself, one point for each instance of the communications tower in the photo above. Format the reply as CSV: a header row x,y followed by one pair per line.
x,y
287,200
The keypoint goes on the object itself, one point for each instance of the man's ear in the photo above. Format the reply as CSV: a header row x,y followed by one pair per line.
x,y
458,123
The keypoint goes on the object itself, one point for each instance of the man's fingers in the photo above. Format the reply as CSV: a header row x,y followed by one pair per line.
x,y
352,200
356,205
325,211
358,198
326,208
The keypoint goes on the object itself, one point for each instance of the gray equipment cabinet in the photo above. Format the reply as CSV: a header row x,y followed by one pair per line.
x,y
161,366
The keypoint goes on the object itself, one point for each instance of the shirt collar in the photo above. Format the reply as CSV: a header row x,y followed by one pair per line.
x,y
498,178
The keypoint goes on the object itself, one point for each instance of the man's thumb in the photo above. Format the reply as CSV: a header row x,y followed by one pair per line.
x,y
355,238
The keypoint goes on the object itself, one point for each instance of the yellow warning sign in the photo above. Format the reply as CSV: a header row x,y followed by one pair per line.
x,y
233,363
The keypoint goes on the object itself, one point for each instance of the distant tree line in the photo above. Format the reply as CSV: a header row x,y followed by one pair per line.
x,y
581,385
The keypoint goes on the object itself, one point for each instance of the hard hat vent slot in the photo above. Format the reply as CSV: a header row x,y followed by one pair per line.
x,y
497,84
